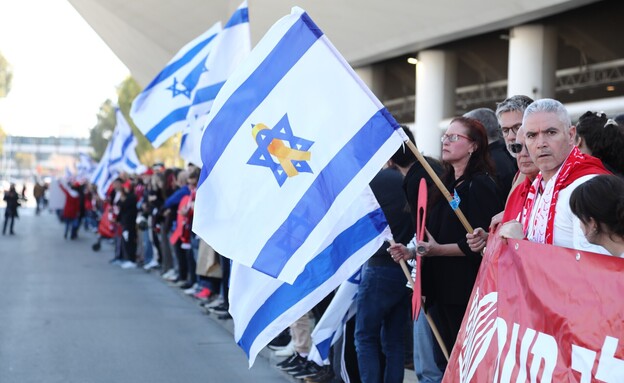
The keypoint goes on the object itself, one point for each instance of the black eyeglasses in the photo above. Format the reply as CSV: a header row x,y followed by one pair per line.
x,y
513,129
515,148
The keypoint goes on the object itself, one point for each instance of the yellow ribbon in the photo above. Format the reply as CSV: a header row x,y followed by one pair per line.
x,y
283,153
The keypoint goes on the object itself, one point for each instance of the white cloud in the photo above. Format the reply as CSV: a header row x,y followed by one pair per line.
x,y
62,70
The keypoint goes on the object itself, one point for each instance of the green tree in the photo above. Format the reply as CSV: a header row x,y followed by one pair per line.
x,y
6,76
168,153
101,133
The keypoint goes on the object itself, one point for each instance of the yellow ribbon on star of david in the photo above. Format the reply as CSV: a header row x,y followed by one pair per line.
x,y
283,153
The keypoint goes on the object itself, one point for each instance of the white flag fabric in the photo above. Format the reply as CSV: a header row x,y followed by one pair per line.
x,y
119,156
330,327
292,137
85,166
262,307
231,46
160,110
103,176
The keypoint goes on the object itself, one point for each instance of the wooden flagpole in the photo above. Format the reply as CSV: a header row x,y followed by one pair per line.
x,y
439,184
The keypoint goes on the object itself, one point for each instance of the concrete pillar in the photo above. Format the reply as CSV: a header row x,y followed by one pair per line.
x,y
373,79
436,80
532,61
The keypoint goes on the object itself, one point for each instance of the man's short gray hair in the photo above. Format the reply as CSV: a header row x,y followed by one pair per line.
x,y
488,119
548,105
517,103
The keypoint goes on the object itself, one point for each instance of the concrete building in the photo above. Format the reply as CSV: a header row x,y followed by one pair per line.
x,y
469,53
27,157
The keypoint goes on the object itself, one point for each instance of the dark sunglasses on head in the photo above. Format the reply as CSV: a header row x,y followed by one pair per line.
x,y
515,148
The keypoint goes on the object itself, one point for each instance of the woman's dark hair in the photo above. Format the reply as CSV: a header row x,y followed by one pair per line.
x,y
608,147
601,198
589,128
480,161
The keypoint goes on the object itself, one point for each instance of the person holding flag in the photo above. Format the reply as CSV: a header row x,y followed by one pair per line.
x,y
449,266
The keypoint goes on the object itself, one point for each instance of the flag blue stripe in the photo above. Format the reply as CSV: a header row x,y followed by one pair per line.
x,y
207,93
173,117
315,274
124,147
295,43
320,196
239,17
325,346
176,65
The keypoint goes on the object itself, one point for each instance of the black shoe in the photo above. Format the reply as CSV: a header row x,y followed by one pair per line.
x,y
225,316
326,375
295,362
12,233
280,341
308,369
186,285
292,361
221,309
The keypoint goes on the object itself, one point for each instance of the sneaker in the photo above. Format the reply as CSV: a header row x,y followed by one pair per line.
x,y
168,273
280,341
203,294
296,361
224,316
192,290
128,265
309,369
212,303
288,350
184,285
324,376
151,265
172,277
115,261
220,309
286,361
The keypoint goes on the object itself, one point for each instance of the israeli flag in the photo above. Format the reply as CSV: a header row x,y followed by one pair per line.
x,y
103,176
293,136
85,166
119,156
330,327
262,307
160,110
231,46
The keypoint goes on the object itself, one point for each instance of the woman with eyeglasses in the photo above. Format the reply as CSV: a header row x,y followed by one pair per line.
x,y
450,267
515,201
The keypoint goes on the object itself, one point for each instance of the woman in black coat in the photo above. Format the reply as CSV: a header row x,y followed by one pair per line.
x,y
12,203
449,267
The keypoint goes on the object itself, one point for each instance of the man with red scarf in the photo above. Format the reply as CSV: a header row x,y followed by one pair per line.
x,y
546,215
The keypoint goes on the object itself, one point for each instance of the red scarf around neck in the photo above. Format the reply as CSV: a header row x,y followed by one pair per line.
x,y
574,167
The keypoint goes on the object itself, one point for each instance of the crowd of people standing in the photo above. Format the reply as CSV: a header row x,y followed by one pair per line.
x,y
521,171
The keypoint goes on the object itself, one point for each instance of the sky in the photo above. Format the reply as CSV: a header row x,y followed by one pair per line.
x,y
62,70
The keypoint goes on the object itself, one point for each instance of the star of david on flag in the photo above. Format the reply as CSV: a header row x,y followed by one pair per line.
x,y
295,83
289,160
160,110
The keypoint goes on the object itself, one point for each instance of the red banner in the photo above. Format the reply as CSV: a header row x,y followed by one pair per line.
x,y
541,313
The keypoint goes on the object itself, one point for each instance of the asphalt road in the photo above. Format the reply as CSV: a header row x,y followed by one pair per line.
x,y
67,316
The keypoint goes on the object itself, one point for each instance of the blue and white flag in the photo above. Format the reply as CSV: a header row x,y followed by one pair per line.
x,y
160,110
262,306
292,137
330,327
230,48
119,156
85,166
102,177
123,156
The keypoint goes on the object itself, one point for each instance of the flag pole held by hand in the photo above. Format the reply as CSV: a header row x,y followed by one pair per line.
x,y
439,184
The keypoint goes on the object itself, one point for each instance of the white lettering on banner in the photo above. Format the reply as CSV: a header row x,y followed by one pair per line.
x,y
480,327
